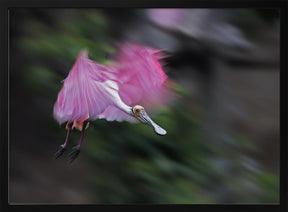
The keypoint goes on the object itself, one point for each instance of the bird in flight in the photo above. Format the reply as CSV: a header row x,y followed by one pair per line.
x,y
114,92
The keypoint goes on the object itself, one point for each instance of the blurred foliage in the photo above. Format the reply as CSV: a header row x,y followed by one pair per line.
x,y
136,166
133,164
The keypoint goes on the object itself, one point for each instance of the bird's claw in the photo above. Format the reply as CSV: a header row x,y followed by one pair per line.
x,y
74,154
60,151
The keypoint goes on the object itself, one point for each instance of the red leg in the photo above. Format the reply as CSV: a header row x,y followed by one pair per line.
x,y
76,150
63,146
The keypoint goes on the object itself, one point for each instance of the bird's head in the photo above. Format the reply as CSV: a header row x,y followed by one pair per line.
x,y
139,113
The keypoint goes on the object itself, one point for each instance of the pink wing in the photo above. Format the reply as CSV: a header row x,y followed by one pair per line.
x,y
140,79
83,94
140,75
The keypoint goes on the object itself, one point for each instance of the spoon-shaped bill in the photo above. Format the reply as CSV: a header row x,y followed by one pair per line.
x,y
157,129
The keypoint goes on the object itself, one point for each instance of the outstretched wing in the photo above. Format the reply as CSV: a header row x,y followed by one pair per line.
x,y
84,94
141,79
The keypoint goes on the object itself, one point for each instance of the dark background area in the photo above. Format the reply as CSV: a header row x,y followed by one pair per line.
x,y
223,137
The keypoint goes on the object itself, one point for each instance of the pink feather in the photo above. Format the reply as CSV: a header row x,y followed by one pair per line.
x,y
141,80
83,94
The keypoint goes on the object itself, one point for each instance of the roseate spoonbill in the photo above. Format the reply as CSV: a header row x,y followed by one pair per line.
x,y
114,92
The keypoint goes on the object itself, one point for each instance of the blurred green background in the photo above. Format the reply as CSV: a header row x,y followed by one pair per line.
x,y
222,144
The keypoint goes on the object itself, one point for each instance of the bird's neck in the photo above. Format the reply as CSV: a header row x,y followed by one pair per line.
x,y
122,106
127,109
113,90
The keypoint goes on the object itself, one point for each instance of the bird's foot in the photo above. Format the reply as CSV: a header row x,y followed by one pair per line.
x,y
60,151
74,154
